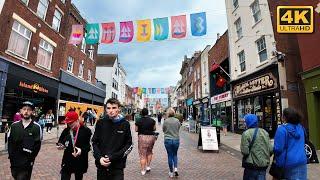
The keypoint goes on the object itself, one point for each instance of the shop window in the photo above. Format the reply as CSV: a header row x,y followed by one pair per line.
x,y
257,106
45,53
268,112
235,4
262,49
255,8
19,41
42,8
241,113
56,20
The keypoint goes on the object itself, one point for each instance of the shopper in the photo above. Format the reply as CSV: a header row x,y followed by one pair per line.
x,y
171,127
75,141
49,119
256,149
111,142
24,143
146,138
159,117
224,122
289,146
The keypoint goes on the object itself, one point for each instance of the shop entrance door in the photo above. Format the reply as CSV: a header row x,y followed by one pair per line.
x,y
269,114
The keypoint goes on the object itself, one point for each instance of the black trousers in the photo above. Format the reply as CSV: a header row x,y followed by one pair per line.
x,y
110,174
67,175
49,126
21,174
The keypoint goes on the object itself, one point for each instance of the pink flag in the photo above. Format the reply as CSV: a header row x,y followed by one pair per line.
x,y
179,26
108,32
158,91
126,31
76,34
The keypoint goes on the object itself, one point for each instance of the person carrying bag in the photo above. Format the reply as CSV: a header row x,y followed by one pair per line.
x,y
256,149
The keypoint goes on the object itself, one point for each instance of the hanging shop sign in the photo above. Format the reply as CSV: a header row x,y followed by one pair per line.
x,y
196,102
35,87
259,84
226,96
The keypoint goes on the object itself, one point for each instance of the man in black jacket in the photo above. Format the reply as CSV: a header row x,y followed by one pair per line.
x,y
75,140
24,143
111,142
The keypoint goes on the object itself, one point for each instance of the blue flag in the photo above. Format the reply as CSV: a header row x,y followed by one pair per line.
x,y
198,24
93,33
161,28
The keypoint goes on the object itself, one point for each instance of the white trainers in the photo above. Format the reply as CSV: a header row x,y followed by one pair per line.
x,y
176,172
143,172
148,169
171,174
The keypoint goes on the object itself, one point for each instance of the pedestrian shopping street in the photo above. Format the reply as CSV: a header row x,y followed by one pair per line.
x,y
193,164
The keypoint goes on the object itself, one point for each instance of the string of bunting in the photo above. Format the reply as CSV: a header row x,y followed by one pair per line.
x,y
106,33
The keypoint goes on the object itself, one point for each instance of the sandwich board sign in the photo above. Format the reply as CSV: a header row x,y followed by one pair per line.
x,y
209,138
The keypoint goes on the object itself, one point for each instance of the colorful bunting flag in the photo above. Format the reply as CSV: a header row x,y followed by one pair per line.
x,y
150,90
135,90
178,26
93,33
198,24
126,31
144,30
162,91
108,32
158,90
154,90
144,90
76,34
161,28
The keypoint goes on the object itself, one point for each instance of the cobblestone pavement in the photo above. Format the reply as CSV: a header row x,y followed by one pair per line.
x,y
194,164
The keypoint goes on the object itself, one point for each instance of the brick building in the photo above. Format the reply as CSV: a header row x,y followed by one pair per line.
x,y
34,62
197,86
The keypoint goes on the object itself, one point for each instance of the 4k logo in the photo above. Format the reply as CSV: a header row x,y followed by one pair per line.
x,y
295,19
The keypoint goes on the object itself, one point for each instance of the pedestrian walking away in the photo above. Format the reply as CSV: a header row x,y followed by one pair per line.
x,y
75,141
146,138
289,149
49,119
24,143
171,128
112,142
256,149
159,117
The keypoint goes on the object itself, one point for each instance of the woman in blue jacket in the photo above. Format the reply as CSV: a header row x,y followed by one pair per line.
x,y
289,146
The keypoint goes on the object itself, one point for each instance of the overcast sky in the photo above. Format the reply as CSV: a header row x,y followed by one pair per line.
x,y
155,64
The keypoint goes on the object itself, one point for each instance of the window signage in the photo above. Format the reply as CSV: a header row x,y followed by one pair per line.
x,y
35,87
259,84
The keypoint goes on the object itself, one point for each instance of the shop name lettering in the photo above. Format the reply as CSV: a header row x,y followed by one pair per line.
x,y
259,84
222,96
35,87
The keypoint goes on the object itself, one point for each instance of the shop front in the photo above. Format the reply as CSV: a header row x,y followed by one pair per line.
x,y
221,105
196,110
189,107
311,80
25,85
258,94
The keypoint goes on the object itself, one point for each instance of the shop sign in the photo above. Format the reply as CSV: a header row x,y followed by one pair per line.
x,y
189,101
196,102
226,96
35,87
205,100
259,84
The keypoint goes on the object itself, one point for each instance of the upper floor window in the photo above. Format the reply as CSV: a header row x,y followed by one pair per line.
x,y
63,1
45,53
89,75
255,8
81,67
91,51
19,41
235,4
70,64
56,20
238,28
242,61
42,8
25,2
262,49
83,45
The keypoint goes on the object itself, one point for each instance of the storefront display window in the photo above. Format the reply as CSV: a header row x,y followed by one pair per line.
x,y
241,113
268,113
257,105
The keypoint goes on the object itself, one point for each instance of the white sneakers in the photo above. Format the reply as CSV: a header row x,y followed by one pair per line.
x,y
171,174
148,169
143,172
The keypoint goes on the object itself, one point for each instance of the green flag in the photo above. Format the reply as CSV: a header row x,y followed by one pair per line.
x,y
92,33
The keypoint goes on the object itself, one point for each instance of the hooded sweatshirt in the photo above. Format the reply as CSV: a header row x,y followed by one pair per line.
x,y
289,141
259,156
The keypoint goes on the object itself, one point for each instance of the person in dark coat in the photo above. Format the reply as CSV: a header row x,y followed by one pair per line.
x,y
24,143
75,140
159,118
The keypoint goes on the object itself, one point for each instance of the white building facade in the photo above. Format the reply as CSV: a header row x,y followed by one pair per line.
x,y
205,72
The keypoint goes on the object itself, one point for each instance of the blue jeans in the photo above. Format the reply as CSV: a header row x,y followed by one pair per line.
x,y
172,146
251,174
296,173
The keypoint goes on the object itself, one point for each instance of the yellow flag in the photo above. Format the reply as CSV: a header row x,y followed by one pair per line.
x,y
144,30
